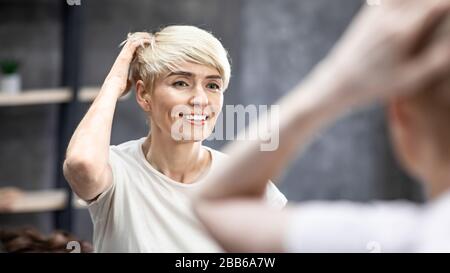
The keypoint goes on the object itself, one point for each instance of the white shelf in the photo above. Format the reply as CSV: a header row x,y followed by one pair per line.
x,y
88,94
47,96
46,200
29,97
39,201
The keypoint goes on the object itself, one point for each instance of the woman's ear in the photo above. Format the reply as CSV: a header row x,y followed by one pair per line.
x,y
403,124
398,113
143,96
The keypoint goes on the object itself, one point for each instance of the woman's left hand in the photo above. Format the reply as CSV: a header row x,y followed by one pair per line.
x,y
387,51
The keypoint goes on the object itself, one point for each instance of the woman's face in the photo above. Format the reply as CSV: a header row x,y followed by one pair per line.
x,y
185,103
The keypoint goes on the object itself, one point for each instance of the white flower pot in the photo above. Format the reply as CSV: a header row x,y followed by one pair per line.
x,y
11,84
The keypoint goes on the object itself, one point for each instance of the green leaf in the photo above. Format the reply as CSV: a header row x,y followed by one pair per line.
x,y
9,66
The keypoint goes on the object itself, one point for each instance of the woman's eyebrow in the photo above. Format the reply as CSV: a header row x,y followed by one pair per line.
x,y
189,74
214,77
180,73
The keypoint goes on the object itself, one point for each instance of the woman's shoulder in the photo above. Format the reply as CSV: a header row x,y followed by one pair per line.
x,y
128,145
127,150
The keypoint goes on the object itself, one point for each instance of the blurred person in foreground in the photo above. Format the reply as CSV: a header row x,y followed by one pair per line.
x,y
391,53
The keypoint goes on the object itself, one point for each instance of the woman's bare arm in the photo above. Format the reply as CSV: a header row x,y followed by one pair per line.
x,y
86,166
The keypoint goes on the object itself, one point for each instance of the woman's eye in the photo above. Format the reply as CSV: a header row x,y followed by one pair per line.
x,y
180,84
214,86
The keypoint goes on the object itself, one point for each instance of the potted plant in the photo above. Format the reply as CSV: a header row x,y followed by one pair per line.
x,y
10,79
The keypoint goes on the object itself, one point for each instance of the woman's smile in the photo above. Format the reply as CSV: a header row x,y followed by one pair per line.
x,y
195,119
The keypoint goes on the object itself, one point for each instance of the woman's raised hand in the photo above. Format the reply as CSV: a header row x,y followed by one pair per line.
x,y
389,51
118,80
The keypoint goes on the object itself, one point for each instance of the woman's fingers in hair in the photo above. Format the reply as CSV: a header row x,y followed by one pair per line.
x,y
137,39
431,19
131,46
139,35
432,65
126,55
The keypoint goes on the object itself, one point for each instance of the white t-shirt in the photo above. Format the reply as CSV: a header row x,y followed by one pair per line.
x,y
381,227
146,211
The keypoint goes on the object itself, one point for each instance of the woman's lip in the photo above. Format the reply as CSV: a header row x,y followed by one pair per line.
x,y
197,122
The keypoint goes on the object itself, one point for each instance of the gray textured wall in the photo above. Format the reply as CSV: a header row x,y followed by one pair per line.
x,y
30,32
273,44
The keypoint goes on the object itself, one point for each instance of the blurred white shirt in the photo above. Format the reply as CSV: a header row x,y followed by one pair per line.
x,y
379,227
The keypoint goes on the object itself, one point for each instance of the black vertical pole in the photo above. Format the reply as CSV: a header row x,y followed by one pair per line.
x,y
68,112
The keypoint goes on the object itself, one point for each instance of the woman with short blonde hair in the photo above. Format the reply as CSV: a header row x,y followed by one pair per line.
x,y
139,191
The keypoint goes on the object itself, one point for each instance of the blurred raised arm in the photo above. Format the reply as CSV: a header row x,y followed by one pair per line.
x,y
382,55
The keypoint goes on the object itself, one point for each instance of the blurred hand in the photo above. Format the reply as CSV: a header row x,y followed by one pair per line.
x,y
117,79
387,51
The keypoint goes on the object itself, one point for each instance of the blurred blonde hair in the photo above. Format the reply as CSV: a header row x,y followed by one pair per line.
x,y
174,45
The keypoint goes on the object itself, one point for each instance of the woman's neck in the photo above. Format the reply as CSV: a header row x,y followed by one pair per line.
x,y
434,171
182,162
438,182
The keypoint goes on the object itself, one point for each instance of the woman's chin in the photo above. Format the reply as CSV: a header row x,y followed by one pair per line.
x,y
195,136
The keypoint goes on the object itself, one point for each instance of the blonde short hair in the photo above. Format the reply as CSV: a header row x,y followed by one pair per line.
x,y
173,45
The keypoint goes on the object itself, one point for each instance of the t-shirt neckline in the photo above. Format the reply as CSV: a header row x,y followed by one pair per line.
x,y
168,179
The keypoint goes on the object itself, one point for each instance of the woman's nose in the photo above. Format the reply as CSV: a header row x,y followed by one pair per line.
x,y
199,97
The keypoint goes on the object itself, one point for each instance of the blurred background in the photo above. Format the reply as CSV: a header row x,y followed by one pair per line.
x,y
54,56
